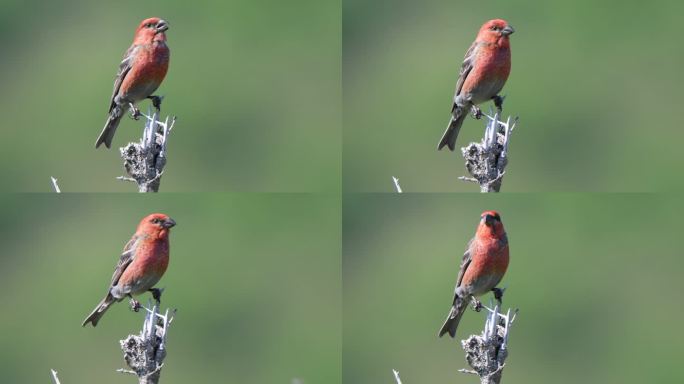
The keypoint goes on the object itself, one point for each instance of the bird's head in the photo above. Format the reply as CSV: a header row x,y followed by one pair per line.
x,y
152,29
156,224
490,224
495,30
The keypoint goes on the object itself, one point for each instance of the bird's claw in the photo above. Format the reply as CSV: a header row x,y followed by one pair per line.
x,y
498,294
477,305
156,294
156,102
476,111
135,305
498,102
135,112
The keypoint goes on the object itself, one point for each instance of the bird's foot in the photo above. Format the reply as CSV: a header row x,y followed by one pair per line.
x,y
135,112
135,305
498,102
498,294
156,101
156,294
476,111
477,305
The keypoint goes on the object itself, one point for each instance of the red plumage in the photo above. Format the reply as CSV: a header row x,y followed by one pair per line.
x,y
483,266
484,72
143,262
141,71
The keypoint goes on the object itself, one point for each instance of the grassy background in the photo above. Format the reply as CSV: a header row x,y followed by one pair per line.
x,y
596,277
596,84
255,278
255,86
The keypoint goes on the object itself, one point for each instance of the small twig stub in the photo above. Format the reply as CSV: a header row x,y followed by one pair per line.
x,y
55,186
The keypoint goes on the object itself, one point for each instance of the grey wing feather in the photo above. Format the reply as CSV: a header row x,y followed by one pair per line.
x,y
126,258
466,67
465,262
124,67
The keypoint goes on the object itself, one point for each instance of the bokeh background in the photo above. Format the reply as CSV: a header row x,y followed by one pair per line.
x,y
597,279
596,84
255,279
255,86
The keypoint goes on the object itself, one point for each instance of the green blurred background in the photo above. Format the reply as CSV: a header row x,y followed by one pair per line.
x,y
255,278
255,86
597,279
596,85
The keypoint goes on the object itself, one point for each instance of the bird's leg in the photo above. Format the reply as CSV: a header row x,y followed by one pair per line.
x,y
135,304
135,112
477,305
156,294
498,102
156,102
476,111
498,294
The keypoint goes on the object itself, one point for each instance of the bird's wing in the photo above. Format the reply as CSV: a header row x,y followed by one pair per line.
x,y
126,258
466,67
465,262
124,67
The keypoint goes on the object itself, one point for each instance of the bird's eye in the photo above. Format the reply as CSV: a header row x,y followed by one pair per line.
x,y
495,28
148,25
155,220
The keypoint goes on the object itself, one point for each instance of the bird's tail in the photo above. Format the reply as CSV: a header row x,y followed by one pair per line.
x,y
109,129
451,133
454,317
100,310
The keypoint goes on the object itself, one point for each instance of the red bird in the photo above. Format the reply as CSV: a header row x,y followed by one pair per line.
x,y
143,262
141,71
484,263
484,72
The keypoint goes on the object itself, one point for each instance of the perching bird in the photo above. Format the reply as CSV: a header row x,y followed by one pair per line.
x,y
143,262
483,74
484,263
141,71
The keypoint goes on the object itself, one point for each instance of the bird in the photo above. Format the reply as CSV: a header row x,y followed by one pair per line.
x,y
142,263
140,73
483,266
484,72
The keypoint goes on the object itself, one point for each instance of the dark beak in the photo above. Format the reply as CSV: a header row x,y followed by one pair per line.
x,y
168,223
162,26
489,220
507,30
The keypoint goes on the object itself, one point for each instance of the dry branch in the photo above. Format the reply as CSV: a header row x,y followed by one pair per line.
x,y
144,353
486,353
144,161
486,161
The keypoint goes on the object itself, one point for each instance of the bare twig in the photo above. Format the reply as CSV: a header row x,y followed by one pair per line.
x,y
396,376
486,353
54,373
486,160
54,185
396,184
144,161
145,353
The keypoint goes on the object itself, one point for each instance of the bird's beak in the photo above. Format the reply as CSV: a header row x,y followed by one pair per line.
x,y
488,220
162,26
168,223
507,30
